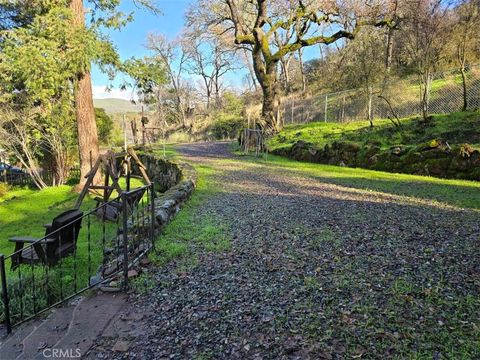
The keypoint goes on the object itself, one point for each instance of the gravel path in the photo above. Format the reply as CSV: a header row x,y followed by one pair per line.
x,y
315,271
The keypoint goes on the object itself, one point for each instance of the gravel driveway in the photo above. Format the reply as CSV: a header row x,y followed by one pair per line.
x,y
316,271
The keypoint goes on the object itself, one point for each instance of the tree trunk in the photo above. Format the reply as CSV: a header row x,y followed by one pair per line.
x,y
85,112
369,109
302,71
464,86
285,66
270,108
426,94
389,51
251,70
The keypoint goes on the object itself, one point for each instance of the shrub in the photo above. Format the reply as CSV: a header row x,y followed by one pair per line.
x,y
227,126
104,125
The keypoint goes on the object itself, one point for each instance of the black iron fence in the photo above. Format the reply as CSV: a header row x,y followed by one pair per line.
x,y
16,178
78,252
22,178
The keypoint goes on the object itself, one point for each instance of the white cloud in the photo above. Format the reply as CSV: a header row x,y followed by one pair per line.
x,y
101,92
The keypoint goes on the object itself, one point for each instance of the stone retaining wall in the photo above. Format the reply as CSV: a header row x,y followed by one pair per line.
x,y
181,181
434,158
162,172
169,203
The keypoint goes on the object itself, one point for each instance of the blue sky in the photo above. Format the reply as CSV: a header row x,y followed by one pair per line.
x,y
131,39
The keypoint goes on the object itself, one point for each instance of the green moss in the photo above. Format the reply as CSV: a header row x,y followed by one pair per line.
x,y
415,147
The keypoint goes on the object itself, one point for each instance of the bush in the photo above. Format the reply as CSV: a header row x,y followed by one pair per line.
x,y
104,125
227,126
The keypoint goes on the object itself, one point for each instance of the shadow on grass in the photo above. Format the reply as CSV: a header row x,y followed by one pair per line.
x,y
461,193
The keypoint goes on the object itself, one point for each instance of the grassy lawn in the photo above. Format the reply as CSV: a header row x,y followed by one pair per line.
x,y
455,128
23,212
460,193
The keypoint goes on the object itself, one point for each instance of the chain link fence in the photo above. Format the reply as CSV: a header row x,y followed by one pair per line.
x,y
401,98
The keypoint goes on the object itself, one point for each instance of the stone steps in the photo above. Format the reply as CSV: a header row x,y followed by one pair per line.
x,y
69,330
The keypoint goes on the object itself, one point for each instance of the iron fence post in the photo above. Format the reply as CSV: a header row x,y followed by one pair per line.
x,y
152,210
125,239
6,306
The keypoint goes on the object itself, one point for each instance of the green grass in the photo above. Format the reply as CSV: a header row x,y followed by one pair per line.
x,y
190,229
23,211
460,193
455,128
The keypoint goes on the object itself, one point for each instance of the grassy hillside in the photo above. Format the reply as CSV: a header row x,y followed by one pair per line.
x,y
445,146
116,106
455,128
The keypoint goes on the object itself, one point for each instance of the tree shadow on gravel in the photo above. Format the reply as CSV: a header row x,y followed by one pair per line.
x,y
315,272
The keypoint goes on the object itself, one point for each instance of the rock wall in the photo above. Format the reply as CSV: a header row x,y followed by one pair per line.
x,y
163,173
166,204
175,181
434,158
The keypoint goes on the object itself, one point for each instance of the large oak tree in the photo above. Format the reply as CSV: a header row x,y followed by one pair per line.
x,y
256,24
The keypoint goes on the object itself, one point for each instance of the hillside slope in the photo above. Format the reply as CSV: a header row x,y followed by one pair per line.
x,y
445,146
116,106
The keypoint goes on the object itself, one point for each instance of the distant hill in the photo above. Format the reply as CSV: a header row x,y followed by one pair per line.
x,y
116,106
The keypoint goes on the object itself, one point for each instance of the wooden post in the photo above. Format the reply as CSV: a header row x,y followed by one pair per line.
x,y
124,197
124,133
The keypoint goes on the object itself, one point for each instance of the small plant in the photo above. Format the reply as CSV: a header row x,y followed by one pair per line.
x,y
466,150
3,189
144,284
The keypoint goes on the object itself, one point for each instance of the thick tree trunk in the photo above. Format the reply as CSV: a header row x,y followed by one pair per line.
x,y
86,126
271,103
85,112
266,73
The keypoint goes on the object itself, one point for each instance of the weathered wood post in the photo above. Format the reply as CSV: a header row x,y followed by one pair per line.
x,y
124,197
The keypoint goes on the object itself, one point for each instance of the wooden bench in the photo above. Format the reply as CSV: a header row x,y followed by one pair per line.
x,y
60,240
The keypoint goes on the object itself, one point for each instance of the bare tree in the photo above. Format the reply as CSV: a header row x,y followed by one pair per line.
x,y
174,57
466,43
210,59
365,64
16,129
426,22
